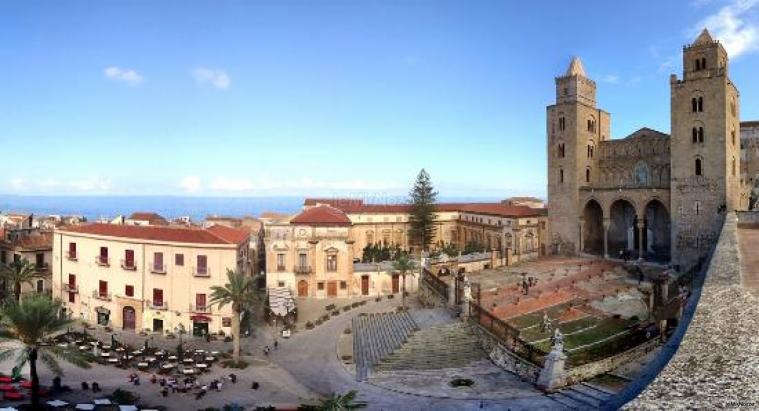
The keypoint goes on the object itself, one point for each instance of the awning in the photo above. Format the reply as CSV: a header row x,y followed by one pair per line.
x,y
200,318
102,310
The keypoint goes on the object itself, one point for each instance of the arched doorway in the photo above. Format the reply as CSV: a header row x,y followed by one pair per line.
x,y
623,234
302,288
656,241
128,320
592,228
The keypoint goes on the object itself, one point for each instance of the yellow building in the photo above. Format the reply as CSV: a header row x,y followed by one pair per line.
x,y
151,278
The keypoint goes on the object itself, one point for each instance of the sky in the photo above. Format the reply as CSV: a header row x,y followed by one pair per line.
x,y
261,98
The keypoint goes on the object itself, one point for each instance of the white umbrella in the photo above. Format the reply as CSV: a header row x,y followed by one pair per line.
x,y
85,407
57,403
102,401
127,408
8,409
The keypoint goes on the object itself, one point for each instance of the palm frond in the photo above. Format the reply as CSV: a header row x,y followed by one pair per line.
x,y
51,363
7,353
70,355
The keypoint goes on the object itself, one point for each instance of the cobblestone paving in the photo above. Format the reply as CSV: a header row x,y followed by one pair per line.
x,y
717,363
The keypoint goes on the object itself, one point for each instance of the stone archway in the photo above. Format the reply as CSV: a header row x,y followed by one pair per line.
x,y
623,233
656,241
592,228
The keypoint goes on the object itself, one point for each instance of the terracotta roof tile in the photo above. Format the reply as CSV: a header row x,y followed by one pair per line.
x,y
153,218
178,234
321,215
229,234
358,206
39,241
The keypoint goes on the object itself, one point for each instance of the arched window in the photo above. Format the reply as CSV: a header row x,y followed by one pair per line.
x,y
562,123
587,175
698,64
732,136
592,125
561,175
694,104
700,104
700,134
695,134
698,166
641,174
733,167
590,150
703,63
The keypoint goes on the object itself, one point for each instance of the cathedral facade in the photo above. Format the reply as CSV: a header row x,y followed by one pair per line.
x,y
650,195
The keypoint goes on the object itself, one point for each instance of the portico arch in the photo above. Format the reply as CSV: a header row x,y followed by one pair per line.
x,y
592,228
623,235
656,242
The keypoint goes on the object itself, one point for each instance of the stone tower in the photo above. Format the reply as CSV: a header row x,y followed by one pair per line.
x,y
705,149
574,128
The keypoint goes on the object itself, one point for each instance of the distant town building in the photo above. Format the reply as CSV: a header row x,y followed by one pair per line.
x,y
34,246
145,218
145,277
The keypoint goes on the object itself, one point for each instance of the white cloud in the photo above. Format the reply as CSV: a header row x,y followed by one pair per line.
x,y
232,184
214,77
610,78
52,185
735,26
190,184
128,76
17,183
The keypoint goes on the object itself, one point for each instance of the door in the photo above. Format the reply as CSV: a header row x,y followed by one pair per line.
x,y
332,289
396,283
157,325
364,285
200,302
129,318
302,288
199,328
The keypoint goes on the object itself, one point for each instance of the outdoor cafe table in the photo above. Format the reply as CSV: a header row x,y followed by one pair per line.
x,y
188,371
106,347
150,359
105,355
63,345
172,358
119,349
210,358
168,366
137,352
142,365
214,353
84,347
202,367
113,360
188,361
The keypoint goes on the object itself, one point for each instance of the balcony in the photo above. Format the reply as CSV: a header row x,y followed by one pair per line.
x,y
159,305
71,255
42,268
302,269
201,271
200,308
158,268
128,265
101,296
280,268
71,288
103,261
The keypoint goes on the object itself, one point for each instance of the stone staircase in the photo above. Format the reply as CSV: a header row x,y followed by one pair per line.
x,y
444,346
377,335
582,396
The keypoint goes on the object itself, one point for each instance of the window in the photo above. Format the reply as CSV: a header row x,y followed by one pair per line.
x,y
698,64
72,297
280,262
200,302
562,123
694,134
157,297
700,134
698,167
697,207
72,251
40,286
703,63
179,260
39,260
343,285
320,285
591,125
129,290
158,262
280,284
700,104
103,288
694,104
332,262
591,149
302,260
72,281
202,264
733,167
103,258
561,175
560,153
129,258
732,136
587,175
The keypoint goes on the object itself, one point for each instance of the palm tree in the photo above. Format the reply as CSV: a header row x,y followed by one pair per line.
x,y
404,265
238,292
30,322
17,273
337,402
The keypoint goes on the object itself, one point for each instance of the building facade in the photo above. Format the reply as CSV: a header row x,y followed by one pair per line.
x,y
316,253
649,195
34,246
146,278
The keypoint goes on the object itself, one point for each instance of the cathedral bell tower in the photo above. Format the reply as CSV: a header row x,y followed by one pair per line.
x,y
574,128
705,149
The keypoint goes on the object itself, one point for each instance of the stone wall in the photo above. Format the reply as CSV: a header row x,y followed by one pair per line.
x,y
429,297
504,358
588,371
712,360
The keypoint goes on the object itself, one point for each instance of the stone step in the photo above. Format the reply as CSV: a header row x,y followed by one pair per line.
x,y
581,397
599,388
567,402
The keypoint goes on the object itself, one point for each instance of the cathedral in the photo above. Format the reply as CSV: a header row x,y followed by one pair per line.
x,y
650,196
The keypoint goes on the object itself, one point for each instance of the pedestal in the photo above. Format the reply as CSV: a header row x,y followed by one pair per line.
x,y
552,376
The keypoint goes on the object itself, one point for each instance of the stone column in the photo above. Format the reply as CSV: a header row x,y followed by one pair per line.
x,y
641,232
581,236
607,224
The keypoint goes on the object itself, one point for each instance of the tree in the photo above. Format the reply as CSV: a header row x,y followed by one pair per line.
x,y
17,273
403,265
337,402
239,293
31,321
422,215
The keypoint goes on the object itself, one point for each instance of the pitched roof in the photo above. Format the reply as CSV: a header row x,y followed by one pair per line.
x,y
153,218
575,67
231,235
41,241
358,206
704,37
174,234
321,215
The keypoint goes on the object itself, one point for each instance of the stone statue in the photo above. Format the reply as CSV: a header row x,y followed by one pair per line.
x,y
467,290
558,340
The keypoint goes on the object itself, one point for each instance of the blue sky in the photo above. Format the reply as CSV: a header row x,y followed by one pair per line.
x,y
325,98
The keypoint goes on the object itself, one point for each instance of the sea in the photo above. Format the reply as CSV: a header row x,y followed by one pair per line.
x,y
197,208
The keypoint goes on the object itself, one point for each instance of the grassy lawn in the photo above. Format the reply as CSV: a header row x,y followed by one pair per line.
x,y
535,333
603,329
527,320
